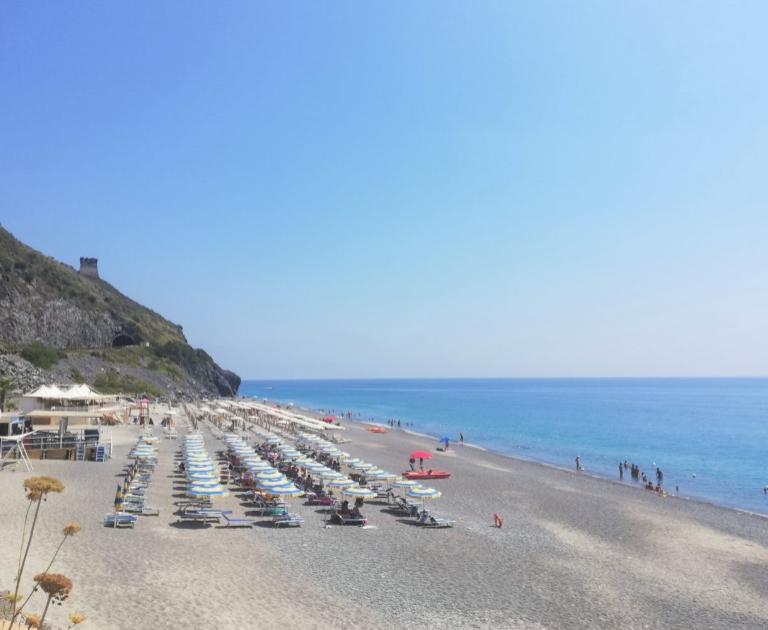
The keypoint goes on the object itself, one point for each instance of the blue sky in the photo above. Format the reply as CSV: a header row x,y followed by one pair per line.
x,y
347,189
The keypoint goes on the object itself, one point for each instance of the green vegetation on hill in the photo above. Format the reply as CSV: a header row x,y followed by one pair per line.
x,y
112,382
42,356
140,357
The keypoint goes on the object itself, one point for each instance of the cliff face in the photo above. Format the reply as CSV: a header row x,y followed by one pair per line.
x,y
48,309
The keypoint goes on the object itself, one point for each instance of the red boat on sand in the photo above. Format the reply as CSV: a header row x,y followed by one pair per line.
x,y
426,474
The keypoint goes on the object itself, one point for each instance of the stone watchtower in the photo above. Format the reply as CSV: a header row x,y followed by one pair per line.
x,y
89,267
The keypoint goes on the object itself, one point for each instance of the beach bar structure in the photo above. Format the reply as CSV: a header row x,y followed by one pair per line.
x,y
60,434
62,396
59,423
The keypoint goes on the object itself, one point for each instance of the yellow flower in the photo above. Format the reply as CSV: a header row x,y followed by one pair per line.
x,y
71,529
76,618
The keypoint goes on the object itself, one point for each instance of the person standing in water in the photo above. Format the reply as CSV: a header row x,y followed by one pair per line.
x,y
621,472
461,438
578,463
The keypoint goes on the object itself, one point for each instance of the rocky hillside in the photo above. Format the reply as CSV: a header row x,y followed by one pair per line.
x,y
60,325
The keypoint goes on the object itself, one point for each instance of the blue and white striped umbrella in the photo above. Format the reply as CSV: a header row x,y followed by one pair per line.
x,y
274,483
207,492
204,483
349,461
291,454
422,492
201,469
201,476
340,483
404,483
358,491
286,491
260,467
361,466
269,474
383,476
329,474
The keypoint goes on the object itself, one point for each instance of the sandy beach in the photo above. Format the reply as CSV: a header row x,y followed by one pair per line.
x,y
574,552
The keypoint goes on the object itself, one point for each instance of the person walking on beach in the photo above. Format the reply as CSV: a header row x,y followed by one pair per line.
x,y
578,463
621,472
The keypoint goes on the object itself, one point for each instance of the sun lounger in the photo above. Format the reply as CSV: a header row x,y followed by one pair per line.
x,y
237,522
433,520
141,510
401,505
347,518
259,502
120,519
277,510
202,515
287,520
319,500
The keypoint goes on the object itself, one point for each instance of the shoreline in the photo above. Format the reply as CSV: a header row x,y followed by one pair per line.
x,y
536,462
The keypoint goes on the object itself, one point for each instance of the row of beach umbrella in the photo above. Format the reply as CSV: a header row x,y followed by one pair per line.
x,y
268,478
202,474
330,478
411,487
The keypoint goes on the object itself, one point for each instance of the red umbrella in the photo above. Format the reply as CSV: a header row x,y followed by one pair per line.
x,y
421,455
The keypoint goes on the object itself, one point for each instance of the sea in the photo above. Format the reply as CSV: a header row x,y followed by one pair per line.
x,y
708,436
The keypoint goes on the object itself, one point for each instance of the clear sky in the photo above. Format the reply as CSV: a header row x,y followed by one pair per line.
x,y
362,189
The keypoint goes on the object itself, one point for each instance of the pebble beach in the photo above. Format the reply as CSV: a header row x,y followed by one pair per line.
x,y
574,551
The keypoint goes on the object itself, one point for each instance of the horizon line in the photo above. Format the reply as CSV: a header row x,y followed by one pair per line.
x,y
502,378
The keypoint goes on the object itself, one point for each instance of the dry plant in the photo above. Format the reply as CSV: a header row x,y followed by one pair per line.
x,y
37,489
70,529
56,586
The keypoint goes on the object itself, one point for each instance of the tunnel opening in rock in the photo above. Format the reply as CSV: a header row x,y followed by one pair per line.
x,y
122,340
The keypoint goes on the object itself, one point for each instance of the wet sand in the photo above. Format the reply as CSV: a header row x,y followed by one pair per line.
x,y
574,552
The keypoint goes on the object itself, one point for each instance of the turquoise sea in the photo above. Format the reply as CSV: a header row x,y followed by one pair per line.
x,y
709,436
